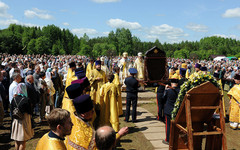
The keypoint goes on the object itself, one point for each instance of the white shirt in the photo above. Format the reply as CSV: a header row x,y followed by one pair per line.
x,y
12,90
11,72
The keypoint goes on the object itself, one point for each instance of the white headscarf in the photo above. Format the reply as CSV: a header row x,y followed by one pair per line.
x,y
48,75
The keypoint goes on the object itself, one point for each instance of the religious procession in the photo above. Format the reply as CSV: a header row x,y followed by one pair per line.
x,y
79,100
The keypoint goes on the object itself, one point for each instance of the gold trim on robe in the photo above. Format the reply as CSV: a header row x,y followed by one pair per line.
x,y
96,85
170,74
119,98
70,77
48,143
234,95
109,110
139,65
90,67
82,136
177,74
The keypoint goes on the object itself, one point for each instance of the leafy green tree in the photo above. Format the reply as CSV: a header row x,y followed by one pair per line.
x,y
137,45
183,53
43,45
53,40
31,47
76,45
51,32
97,50
10,42
124,38
56,48
109,50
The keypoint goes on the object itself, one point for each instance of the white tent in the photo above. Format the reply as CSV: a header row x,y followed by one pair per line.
x,y
219,58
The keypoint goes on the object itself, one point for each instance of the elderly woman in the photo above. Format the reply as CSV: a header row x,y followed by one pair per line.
x,y
21,127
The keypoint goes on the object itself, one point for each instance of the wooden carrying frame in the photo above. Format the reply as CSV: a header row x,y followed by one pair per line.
x,y
195,114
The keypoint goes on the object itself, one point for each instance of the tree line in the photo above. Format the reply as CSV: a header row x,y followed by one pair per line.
x,y
18,39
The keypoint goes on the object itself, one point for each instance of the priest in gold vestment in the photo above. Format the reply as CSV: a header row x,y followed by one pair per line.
x,y
118,85
109,110
70,77
234,95
197,70
71,74
82,136
139,65
97,79
90,67
61,125
124,65
73,91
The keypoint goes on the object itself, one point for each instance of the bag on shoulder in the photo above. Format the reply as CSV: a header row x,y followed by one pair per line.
x,y
17,114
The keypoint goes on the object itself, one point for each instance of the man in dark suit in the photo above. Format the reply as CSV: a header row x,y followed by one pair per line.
x,y
132,95
4,89
170,96
31,91
2,95
160,103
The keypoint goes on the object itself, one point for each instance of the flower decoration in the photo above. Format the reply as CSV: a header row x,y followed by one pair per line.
x,y
189,84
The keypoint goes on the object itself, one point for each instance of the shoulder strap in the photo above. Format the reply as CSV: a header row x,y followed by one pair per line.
x,y
19,102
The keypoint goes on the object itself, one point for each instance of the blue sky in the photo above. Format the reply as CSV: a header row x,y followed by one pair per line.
x,y
169,21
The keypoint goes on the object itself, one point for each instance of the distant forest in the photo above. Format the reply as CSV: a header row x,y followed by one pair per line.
x,y
18,39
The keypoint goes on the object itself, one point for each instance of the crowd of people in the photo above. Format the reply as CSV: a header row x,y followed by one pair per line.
x,y
225,72
80,96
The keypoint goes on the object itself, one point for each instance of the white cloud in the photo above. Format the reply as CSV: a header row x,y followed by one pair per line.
x,y
3,10
105,33
232,13
81,31
14,21
197,27
8,22
119,23
166,30
152,37
105,1
35,12
66,24
39,10
165,33
227,36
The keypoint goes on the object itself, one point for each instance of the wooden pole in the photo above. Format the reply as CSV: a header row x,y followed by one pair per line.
x,y
189,123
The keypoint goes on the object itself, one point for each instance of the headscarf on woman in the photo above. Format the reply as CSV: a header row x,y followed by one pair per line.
x,y
49,83
48,75
49,70
22,89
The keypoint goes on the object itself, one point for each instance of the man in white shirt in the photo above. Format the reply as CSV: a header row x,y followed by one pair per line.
x,y
13,87
13,65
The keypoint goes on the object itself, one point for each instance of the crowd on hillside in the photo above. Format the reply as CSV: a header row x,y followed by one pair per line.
x,y
36,84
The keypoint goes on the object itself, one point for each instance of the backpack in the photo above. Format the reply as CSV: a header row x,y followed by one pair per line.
x,y
17,114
